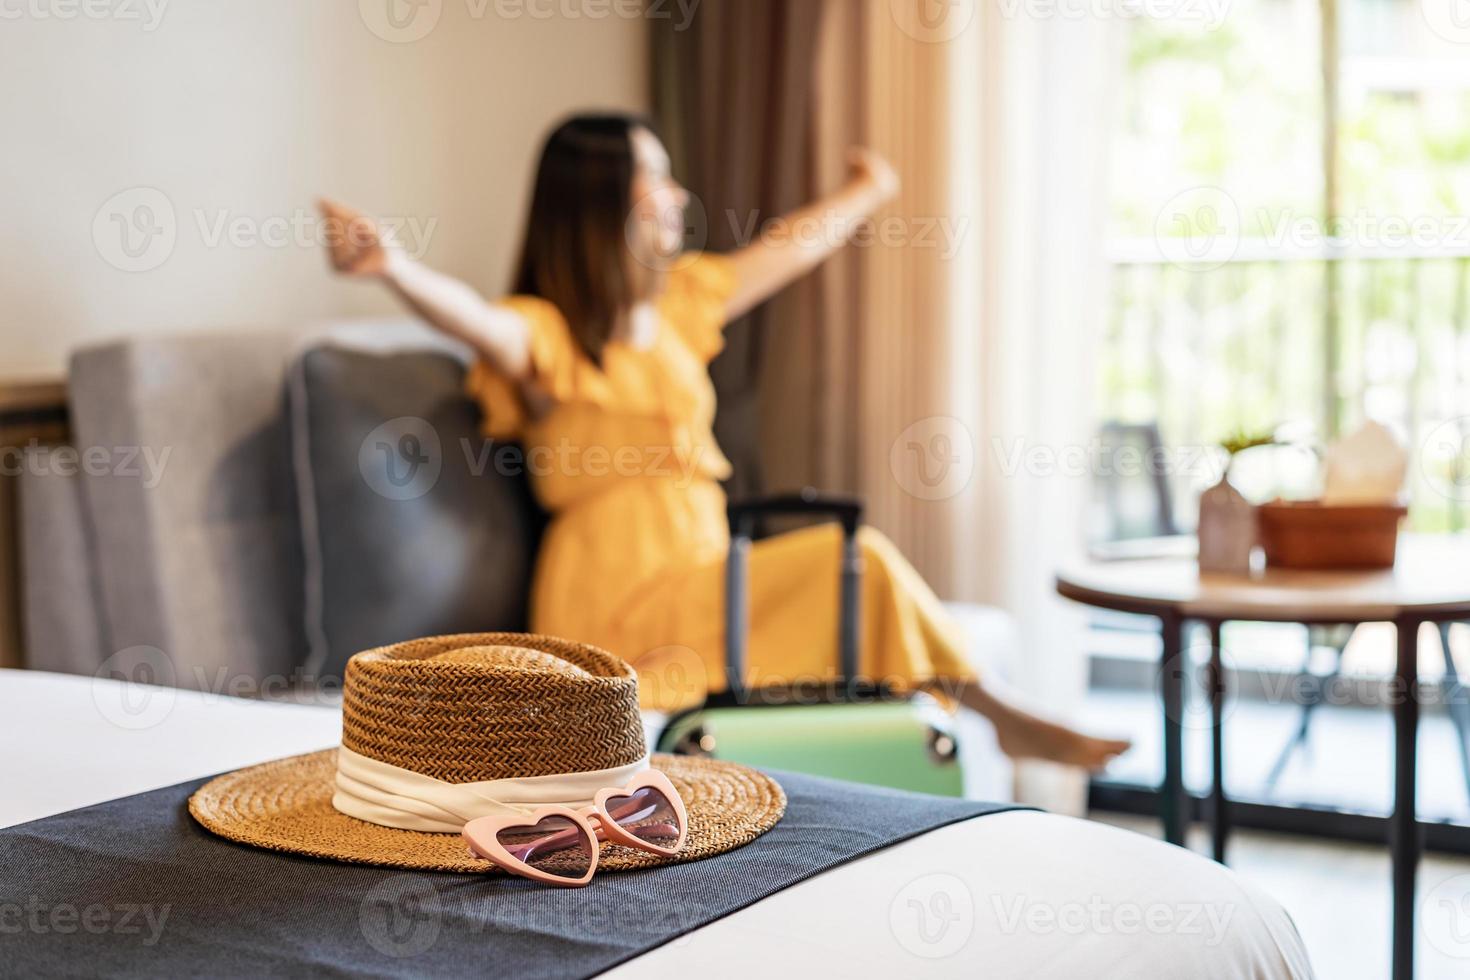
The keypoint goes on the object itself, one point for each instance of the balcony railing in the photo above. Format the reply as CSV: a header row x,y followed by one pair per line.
x,y
1316,341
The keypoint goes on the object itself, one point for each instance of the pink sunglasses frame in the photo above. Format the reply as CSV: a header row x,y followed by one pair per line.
x,y
481,834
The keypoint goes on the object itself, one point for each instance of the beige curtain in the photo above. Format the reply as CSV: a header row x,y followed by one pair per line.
x,y
934,369
891,348
733,93
960,359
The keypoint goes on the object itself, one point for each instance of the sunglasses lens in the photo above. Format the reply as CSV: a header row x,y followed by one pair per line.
x,y
553,845
648,815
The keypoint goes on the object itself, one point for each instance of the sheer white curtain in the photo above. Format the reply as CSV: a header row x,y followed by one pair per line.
x,y
1048,89
958,367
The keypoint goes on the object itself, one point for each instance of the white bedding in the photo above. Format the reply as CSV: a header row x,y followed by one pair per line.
x,y
1011,895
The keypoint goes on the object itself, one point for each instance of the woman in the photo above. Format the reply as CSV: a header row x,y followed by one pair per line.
x,y
598,365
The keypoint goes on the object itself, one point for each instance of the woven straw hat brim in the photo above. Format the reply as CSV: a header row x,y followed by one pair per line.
x,y
286,806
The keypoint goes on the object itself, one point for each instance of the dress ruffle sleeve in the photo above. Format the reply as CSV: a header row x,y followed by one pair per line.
x,y
553,367
698,292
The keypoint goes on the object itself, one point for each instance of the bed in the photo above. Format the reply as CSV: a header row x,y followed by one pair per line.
x,y
1017,894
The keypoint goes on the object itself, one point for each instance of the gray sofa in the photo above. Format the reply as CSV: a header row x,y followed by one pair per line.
x,y
231,533
223,519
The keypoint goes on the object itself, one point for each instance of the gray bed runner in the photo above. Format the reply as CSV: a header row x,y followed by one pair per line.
x,y
134,887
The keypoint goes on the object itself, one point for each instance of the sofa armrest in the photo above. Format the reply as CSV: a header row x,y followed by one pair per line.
x,y
59,591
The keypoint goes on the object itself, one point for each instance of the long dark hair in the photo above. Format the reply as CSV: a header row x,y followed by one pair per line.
x,y
576,252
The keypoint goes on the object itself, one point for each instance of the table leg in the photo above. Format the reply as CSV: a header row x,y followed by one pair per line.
x,y
1219,815
1403,827
1173,804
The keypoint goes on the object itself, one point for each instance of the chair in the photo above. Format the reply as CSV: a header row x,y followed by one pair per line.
x,y
1141,506
1457,700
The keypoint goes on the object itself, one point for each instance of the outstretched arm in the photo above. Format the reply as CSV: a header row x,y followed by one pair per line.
x,y
359,248
811,234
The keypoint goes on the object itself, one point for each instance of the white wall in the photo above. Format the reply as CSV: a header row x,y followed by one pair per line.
x,y
242,111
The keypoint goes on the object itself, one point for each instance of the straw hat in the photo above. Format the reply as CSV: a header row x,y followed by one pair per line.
x,y
427,724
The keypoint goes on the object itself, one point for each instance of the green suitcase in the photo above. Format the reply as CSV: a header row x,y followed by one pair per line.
x,y
855,731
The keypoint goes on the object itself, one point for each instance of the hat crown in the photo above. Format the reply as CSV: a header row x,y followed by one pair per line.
x,y
482,706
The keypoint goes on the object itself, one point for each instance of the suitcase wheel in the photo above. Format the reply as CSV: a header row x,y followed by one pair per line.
x,y
696,741
942,747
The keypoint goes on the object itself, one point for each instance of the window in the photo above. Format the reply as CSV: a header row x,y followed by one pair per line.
x,y
1291,254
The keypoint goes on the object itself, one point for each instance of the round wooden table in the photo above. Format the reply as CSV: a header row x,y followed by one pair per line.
x,y
1429,584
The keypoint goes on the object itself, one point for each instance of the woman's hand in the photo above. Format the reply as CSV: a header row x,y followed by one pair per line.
x,y
355,243
873,173
359,247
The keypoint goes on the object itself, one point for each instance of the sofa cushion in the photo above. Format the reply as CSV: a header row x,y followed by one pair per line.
x,y
413,524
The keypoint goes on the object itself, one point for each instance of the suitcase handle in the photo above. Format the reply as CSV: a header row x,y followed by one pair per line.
x,y
743,515
847,510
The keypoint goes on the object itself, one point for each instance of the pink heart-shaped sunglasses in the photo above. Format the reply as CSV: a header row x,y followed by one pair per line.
x,y
559,846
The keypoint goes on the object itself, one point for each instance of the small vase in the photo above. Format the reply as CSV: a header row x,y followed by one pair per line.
x,y
1227,529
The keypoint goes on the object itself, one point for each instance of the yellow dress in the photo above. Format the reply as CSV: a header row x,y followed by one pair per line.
x,y
633,559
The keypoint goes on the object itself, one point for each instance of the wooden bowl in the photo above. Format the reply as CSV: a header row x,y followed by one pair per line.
x,y
1310,534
